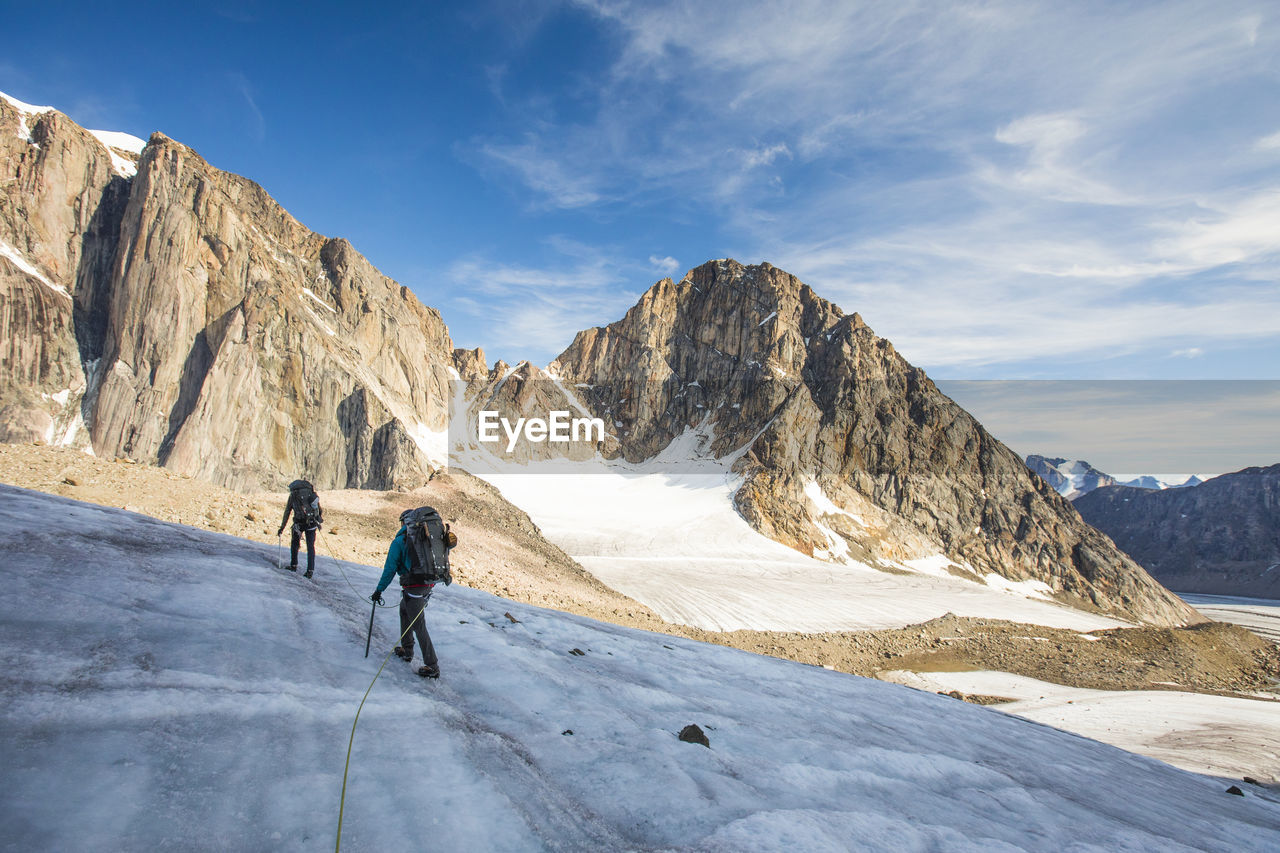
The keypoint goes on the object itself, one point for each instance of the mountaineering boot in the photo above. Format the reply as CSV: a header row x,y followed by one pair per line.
x,y
293,567
403,653
429,671
307,573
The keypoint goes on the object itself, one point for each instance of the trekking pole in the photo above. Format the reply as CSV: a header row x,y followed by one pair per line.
x,y
279,552
369,639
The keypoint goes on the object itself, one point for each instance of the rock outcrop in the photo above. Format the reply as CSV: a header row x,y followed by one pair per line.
x,y
186,319
1221,537
61,200
846,450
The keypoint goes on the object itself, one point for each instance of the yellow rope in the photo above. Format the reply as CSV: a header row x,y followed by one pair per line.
x,y
338,566
342,801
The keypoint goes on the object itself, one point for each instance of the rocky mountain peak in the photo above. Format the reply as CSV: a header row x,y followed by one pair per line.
x,y
180,316
846,450
1071,478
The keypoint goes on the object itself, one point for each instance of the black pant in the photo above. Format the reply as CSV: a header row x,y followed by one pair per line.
x,y
411,612
295,540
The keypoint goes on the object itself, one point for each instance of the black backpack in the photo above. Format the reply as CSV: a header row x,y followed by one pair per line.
x,y
307,514
429,540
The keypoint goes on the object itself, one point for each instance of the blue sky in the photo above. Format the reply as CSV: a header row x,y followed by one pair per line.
x,y
1003,189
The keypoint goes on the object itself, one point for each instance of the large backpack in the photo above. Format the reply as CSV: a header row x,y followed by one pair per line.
x,y
428,539
306,505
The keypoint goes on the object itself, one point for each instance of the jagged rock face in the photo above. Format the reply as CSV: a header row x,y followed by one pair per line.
x,y
845,448
60,200
1220,537
221,338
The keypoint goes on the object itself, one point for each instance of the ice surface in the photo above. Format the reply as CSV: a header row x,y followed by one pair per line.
x,y
1260,615
1220,735
168,688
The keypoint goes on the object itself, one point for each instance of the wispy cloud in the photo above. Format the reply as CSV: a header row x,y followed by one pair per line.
x,y
543,307
1051,170
552,181
1270,142
987,182
256,122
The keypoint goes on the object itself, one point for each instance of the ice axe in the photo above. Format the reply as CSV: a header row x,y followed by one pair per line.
x,y
369,639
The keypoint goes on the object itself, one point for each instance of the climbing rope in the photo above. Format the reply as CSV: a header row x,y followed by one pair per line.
x,y
342,800
338,566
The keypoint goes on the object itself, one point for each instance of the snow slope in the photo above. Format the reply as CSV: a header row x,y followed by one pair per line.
x,y
665,532
1260,615
113,140
168,688
1220,735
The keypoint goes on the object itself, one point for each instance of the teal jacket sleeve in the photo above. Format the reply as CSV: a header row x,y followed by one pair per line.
x,y
395,559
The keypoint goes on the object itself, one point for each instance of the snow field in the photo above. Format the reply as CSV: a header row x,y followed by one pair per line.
x,y
1260,615
670,537
168,688
1218,735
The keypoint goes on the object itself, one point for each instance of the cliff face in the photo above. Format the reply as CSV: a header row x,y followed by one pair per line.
x,y
1220,537
60,203
846,449
189,321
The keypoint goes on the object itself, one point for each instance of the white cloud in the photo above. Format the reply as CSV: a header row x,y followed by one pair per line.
x,y
1051,168
1233,233
666,265
1189,352
1269,143
757,157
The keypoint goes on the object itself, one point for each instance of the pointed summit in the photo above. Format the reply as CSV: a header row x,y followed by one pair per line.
x,y
847,451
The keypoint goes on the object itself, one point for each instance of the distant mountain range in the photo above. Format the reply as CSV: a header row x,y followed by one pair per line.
x,y
1220,537
1075,477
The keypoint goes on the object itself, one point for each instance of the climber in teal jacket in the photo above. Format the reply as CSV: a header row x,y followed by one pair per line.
x,y
398,563
415,590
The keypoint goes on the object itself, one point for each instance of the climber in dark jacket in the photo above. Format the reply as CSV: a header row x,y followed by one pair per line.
x,y
304,505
